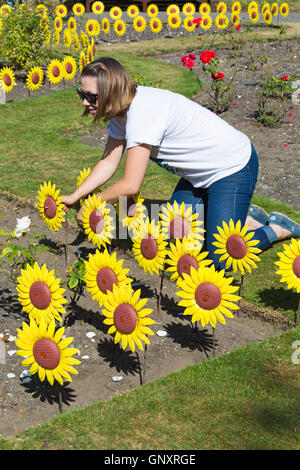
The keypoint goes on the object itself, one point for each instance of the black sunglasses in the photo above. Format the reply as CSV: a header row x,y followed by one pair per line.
x,y
90,97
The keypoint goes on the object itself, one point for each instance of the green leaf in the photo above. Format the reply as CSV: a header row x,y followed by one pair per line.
x,y
73,282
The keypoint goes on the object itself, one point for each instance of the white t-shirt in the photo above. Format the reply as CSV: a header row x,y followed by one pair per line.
x,y
186,138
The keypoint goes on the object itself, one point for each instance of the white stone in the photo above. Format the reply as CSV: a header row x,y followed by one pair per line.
x,y
117,378
11,352
11,375
90,334
85,357
161,333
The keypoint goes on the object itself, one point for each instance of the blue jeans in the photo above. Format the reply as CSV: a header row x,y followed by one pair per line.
x,y
227,198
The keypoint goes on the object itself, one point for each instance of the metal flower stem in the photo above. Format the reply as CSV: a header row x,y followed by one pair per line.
x,y
214,341
297,312
159,295
145,363
66,244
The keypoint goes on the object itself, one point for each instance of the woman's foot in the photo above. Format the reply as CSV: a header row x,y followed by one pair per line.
x,y
283,226
257,217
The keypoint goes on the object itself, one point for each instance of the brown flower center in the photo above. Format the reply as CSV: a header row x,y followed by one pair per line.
x,y
296,266
119,27
185,263
69,68
35,78
96,221
106,278
7,80
46,353
40,295
149,247
55,71
208,296
179,228
125,318
236,247
50,207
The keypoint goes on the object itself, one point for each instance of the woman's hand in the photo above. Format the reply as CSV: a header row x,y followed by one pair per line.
x,y
68,201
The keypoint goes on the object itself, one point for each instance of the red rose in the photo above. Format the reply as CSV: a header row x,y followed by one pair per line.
x,y
285,78
238,27
189,63
192,56
183,58
217,77
206,56
197,21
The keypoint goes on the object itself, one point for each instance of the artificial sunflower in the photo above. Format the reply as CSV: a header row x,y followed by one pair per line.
x,y
78,9
236,7
155,25
152,10
139,24
70,67
178,222
128,319
188,9
34,78
237,247
189,24
274,9
67,37
289,265
97,8
96,221
173,9
56,37
40,294
76,41
72,25
47,38
120,27
50,206
265,8
221,21
267,17
284,9
181,258
84,40
252,6
5,10
204,9
58,23
115,13
102,272
55,71
92,27
207,295
174,20
254,16
105,26
42,9
221,8
46,352
93,47
235,19
131,212
149,248
206,22
7,79
82,61
61,10
89,54
133,11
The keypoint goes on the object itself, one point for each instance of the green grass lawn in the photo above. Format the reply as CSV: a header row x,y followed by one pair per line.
x,y
247,399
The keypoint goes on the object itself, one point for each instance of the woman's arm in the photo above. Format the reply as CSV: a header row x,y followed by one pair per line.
x,y
101,172
135,169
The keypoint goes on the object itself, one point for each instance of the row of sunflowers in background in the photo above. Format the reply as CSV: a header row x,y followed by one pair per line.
x,y
79,35
172,245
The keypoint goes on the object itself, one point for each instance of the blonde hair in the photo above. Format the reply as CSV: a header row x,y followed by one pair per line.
x,y
116,89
